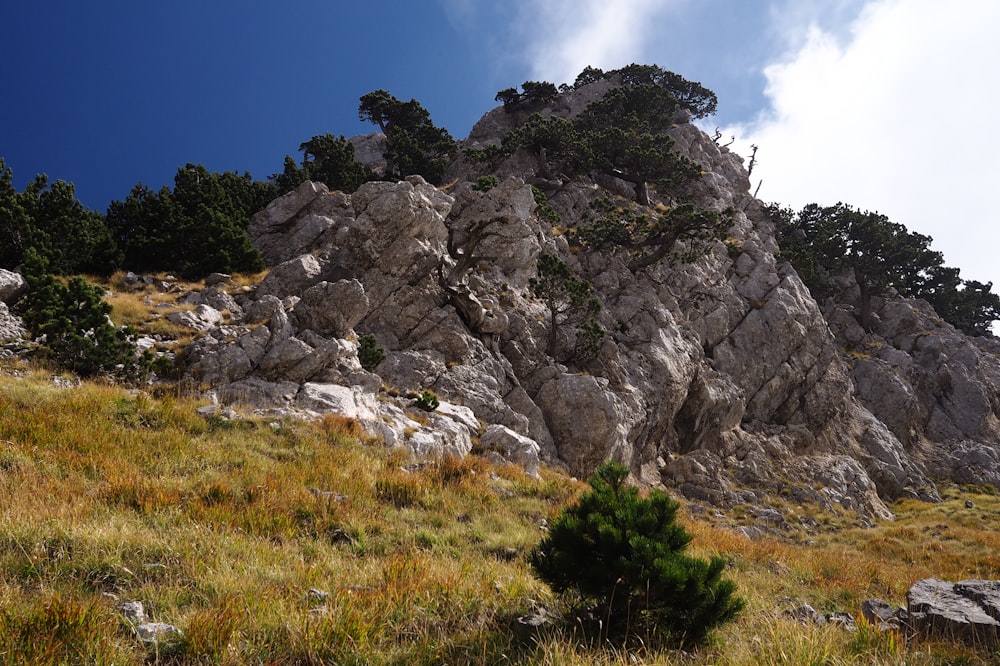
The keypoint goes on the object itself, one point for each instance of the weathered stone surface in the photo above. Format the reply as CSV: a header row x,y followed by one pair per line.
x,y
217,278
294,223
290,278
585,419
332,309
968,610
884,616
12,286
369,149
512,446
11,326
157,632
133,612
716,375
442,437
202,318
348,402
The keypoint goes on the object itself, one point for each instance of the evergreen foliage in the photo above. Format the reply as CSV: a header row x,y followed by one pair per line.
x,y
370,352
414,145
822,242
621,135
485,183
533,92
649,238
72,320
427,401
48,218
623,554
543,209
691,95
196,229
327,159
570,301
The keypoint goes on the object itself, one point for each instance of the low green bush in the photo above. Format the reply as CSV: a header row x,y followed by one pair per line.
x,y
622,554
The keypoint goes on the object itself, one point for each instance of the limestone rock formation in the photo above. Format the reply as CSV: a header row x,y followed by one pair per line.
x,y
721,377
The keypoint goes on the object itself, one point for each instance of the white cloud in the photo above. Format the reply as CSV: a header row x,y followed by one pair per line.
x,y
896,116
562,37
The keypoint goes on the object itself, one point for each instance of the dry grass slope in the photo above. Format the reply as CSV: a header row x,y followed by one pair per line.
x,y
223,528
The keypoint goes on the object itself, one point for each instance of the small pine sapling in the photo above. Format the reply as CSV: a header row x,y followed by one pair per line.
x,y
427,401
623,554
370,352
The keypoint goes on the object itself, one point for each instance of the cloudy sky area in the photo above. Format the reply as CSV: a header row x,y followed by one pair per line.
x,y
884,104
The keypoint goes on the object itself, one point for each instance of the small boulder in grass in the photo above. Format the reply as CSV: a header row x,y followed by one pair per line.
x,y
965,611
157,632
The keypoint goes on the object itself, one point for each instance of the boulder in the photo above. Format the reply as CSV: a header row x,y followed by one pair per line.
x,y
290,278
157,632
349,402
585,419
331,309
202,318
968,610
511,446
882,615
12,286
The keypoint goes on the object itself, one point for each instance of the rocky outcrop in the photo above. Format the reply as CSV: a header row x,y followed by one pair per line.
x,y
936,389
721,378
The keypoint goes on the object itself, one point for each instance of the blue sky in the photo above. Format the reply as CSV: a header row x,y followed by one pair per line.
x,y
885,104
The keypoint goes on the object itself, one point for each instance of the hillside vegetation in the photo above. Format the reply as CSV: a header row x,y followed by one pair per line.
x,y
269,541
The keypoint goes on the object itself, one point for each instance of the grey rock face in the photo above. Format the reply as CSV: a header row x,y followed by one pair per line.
x,y
290,278
512,446
332,309
157,632
968,610
12,285
11,326
715,375
884,616
202,318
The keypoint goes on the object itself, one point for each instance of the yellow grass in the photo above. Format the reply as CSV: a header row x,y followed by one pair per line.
x,y
223,528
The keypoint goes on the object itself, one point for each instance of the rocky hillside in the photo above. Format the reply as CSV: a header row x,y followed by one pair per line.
x,y
719,377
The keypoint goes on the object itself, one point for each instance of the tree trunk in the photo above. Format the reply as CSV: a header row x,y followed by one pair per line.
x,y
642,193
865,290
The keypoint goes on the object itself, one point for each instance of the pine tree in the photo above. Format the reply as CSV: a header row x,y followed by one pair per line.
x,y
622,553
72,321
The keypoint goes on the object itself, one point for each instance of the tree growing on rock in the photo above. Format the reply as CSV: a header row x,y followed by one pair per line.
x,y
414,145
877,253
691,95
327,159
622,135
571,302
625,133
532,92
650,237
623,554
968,305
